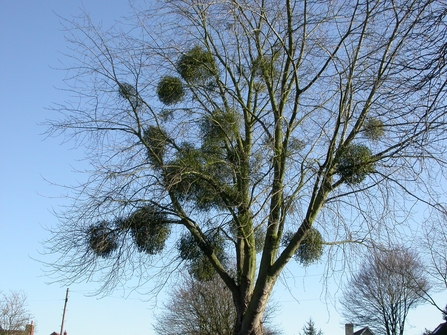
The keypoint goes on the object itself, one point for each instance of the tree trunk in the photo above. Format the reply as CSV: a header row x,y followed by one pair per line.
x,y
255,328
250,311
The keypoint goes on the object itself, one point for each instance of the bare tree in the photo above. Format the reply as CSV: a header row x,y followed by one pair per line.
x,y
386,287
433,251
434,245
14,315
253,131
202,308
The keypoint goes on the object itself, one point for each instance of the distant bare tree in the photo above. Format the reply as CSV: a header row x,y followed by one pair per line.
x,y
433,249
435,244
14,315
388,284
202,308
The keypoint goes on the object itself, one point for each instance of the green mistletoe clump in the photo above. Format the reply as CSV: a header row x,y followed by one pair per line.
x,y
355,163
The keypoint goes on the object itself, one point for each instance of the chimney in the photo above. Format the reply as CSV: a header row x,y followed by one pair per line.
x,y
349,329
29,329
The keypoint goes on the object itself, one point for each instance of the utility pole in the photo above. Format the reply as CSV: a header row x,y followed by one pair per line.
x,y
63,314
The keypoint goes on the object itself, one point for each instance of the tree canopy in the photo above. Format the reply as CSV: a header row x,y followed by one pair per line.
x,y
248,133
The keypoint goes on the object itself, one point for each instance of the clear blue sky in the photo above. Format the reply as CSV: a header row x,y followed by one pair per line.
x,y
31,45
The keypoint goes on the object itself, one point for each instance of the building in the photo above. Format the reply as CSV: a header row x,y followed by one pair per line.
x,y
29,330
54,333
440,330
349,330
